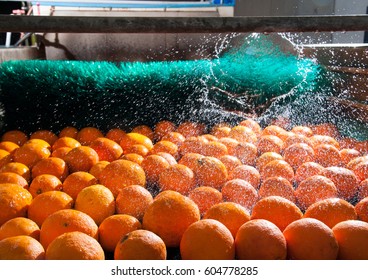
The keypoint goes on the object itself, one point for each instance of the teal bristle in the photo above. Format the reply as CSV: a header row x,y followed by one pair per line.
x,y
38,94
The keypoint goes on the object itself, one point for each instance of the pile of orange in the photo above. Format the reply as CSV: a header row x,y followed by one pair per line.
x,y
221,192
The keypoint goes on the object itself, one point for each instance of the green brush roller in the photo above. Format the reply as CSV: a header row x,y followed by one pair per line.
x,y
40,94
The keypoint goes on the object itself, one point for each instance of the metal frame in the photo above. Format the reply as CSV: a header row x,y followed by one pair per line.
x,y
86,24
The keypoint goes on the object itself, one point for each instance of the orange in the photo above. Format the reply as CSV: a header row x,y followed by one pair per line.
x,y
310,239
347,155
260,239
361,209
252,124
107,150
97,168
170,159
328,129
14,202
278,186
317,140
296,139
363,189
361,170
306,170
61,152
53,166
74,246
65,142
188,129
230,144
192,145
352,239
265,158
190,159
68,131
209,137
133,200
214,149
362,147
270,143
247,173
207,239
121,173
178,178
18,168
278,168
40,142
140,245
77,181
162,128
16,136
5,157
220,132
96,201
354,162
13,178
133,138
243,134
153,166
47,135
245,152
21,247
346,182
44,183
81,159
297,154
302,130
88,134
230,162
276,131
66,220
205,198
277,210
230,214
174,137
8,146
241,192
327,155
47,203
210,172
166,147
169,215
331,211
113,228
19,226
313,189
115,134
29,154
137,149
137,158
144,130
347,143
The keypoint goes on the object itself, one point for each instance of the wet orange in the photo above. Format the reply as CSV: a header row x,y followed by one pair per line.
x,y
121,173
310,239
282,214
207,239
260,239
81,159
44,183
331,211
313,189
205,198
278,186
88,134
133,200
240,192
115,227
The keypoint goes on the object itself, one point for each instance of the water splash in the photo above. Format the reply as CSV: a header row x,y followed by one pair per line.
x,y
246,75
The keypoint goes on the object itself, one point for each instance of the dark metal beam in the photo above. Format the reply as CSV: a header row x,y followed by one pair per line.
x,y
86,24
